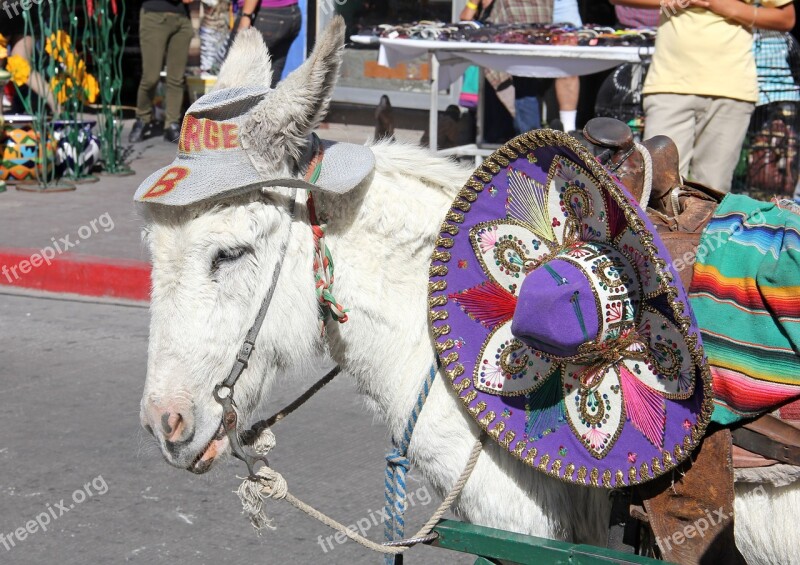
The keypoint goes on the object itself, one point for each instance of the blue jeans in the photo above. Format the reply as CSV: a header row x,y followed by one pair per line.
x,y
527,111
279,27
527,115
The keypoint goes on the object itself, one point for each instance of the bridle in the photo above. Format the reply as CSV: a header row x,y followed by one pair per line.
x,y
223,392
265,482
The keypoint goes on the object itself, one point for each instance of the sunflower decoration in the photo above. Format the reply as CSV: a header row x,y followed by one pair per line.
x,y
65,87
90,89
62,88
59,46
3,46
71,81
75,66
19,68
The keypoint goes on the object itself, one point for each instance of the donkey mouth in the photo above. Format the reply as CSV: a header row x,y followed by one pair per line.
x,y
206,457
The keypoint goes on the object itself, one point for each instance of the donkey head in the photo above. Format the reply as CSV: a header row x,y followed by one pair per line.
x,y
213,259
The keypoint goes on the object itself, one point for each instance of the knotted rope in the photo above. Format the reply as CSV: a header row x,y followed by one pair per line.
x,y
268,483
397,466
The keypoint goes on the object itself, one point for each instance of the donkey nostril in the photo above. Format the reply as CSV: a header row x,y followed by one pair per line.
x,y
171,424
165,425
149,429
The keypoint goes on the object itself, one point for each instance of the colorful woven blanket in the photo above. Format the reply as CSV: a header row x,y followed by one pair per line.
x,y
746,296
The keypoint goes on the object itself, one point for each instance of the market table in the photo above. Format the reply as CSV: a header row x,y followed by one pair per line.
x,y
449,60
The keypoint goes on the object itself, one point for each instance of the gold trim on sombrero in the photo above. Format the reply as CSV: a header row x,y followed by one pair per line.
x,y
510,364
505,237
593,410
659,283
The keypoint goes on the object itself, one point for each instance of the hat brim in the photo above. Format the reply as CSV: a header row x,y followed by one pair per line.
x,y
212,176
527,401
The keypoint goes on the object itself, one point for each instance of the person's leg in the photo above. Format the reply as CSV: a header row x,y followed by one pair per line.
x,y
568,89
498,124
209,38
673,115
527,114
213,32
280,27
153,43
177,57
720,134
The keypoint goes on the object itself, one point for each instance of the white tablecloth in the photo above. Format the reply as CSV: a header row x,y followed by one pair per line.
x,y
543,61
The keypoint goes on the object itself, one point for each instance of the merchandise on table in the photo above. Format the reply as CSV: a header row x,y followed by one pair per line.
x,y
524,34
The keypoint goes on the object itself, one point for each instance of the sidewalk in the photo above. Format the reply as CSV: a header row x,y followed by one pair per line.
x,y
88,241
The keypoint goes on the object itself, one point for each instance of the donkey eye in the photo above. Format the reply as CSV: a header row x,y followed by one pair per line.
x,y
224,256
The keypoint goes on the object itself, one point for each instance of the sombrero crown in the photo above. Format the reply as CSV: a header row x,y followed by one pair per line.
x,y
560,323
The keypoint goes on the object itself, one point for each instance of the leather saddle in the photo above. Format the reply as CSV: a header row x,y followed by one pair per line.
x,y
680,211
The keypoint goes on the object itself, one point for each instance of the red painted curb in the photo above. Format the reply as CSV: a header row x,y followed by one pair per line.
x,y
75,274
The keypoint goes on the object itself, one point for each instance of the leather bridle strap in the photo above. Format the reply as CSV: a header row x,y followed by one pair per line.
x,y
223,392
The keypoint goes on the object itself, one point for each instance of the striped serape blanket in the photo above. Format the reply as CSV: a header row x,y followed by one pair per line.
x,y
745,293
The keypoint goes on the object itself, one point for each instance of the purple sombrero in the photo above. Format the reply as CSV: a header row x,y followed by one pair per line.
x,y
560,323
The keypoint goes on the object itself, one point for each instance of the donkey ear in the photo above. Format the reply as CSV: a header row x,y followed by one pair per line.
x,y
247,63
306,93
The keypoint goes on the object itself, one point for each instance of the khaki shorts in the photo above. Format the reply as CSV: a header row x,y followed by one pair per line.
x,y
708,131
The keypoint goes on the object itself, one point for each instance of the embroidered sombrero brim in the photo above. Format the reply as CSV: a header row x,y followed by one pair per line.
x,y
616,417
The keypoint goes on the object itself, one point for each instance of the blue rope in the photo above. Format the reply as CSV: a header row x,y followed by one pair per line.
x,y
397,466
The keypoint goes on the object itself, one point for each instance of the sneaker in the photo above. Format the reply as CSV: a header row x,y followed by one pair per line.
x,y
141,130
172,132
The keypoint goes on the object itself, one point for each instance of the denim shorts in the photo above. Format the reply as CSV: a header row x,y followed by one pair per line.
x,y
566,12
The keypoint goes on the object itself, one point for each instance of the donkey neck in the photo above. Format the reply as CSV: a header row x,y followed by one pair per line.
x,y
381,237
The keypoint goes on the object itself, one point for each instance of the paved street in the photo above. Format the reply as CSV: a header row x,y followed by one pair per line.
x,y
71,375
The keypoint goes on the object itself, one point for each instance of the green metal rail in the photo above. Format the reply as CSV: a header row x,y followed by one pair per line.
x,y
497,546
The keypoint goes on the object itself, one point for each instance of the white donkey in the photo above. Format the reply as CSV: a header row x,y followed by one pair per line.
x,y
213,264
